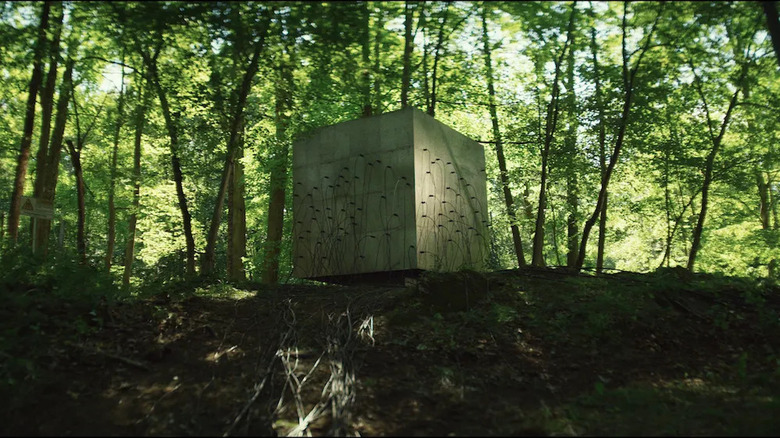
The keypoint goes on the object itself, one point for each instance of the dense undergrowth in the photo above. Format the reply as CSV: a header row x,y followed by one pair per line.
x,y
533,351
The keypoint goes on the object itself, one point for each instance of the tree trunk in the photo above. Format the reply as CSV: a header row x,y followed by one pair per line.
x,y
49,165
207,263
407,59
81,243
709,165
171,124
365,73
278,183
237,218
140,118
549,135
436,53
29,122
570,147
379,26
112,184
628,88
773,24
602,151
47,105
509,202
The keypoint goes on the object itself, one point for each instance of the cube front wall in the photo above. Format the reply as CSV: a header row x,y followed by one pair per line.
x,y
369,195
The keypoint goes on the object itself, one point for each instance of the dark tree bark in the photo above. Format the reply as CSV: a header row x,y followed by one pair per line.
x,y
365,73
140,119
29,122
602,150
436,52
278,182
773,24
47,102
81,242
207,263
171,123
628,94
236,218
407,59
49,165
710,162
549,135
570,150
509,202
377,87
112,184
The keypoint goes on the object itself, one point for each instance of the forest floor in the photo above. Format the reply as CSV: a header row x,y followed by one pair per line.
x,y
520,352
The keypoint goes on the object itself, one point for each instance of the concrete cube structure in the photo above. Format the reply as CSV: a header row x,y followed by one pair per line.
x,y
390,193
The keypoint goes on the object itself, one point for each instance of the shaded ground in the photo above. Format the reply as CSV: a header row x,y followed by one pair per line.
x,y
533,352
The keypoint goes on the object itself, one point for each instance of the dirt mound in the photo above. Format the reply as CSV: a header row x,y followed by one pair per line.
x,y
505,353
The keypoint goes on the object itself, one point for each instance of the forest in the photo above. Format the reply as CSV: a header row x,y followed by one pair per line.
x,y
146,221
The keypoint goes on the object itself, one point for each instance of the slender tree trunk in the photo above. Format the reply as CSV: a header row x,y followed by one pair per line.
x,y
668,199
628,87
602,151
112,184
549,135
50,163
709,165
29,122
509,202
237,218
421,24
365,73
207,263
47,104
773,24
379,26
81,242
436,55
407,59
171,124
570,146
284,103
140,119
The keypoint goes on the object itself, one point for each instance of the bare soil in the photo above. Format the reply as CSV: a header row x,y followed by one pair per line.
x,y
533,352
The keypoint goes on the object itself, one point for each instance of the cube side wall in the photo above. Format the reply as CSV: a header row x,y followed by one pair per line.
x,y
450,197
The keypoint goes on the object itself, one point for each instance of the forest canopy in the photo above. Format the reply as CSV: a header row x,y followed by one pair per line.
x,y
617,135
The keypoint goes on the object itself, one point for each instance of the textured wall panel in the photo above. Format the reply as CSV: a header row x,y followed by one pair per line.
x,y
392,192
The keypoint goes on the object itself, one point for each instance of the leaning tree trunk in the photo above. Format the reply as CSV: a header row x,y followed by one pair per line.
x,y
173,134
549,135
208,261
140,118
29,122
710,163
509,202
628,96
